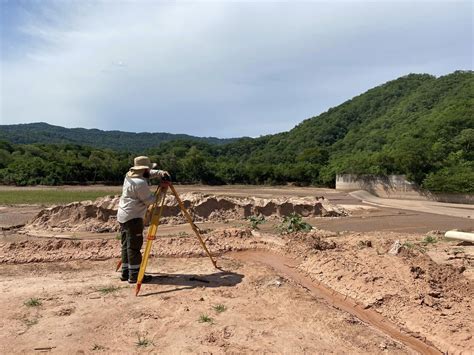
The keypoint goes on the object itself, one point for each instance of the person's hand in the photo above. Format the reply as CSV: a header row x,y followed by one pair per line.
x,y
164,174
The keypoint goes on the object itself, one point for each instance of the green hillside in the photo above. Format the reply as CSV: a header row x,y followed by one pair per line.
x,y
41,132
417,125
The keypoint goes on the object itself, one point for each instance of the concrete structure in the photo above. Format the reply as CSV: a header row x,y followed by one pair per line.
x,y
457,235
395,187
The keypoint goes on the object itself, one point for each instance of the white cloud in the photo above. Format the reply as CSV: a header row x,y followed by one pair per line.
x,y
219,69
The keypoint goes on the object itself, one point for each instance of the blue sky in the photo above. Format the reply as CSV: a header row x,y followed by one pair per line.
x,y
224,69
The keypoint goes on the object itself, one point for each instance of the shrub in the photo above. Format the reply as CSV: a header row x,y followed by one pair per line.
x,y
255,221
293,223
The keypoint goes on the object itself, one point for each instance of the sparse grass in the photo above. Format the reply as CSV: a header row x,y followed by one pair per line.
x,y
49,196
293,223
255,221
429,240
30,322
97,347
219,308
413,246
203,318
183,234
143,342
108,289
33,302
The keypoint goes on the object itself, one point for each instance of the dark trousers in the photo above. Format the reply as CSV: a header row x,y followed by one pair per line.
x,y
132,241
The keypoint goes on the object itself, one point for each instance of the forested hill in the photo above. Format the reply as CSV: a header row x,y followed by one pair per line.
x,y
417,125
117,140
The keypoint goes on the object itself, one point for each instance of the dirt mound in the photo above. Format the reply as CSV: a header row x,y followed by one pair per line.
x,y
218,241
100,215
57,250
408,287
303,244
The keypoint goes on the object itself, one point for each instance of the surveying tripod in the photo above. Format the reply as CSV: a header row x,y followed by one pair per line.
x,y
156,211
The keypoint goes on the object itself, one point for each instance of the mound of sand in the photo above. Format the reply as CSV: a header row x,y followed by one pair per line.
x,y
428,298
100,215
87,216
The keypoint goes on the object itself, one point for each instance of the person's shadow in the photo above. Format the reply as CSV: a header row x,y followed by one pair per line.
x,y
190,281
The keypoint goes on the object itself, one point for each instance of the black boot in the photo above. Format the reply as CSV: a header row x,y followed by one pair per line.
x,y
146,279
125,274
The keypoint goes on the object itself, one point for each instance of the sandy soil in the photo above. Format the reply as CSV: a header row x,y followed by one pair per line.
x,y
422,299
282,317
440,208
17,216
393,220
335,289
363,217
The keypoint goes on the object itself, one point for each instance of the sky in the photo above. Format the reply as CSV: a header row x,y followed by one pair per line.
x,y
215,68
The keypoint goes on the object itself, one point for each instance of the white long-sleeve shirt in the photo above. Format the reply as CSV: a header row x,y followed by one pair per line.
x,y
136,197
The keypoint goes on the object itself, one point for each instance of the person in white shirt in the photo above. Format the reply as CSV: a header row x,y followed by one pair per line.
x,y
135,199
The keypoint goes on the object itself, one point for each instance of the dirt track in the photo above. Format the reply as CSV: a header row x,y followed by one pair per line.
x,y
419,299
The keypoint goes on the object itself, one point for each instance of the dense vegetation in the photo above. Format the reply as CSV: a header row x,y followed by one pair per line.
x,y
417,125
117,140
55,164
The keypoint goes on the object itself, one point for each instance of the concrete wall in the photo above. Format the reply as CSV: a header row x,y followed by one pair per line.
x,y
454,198
395,186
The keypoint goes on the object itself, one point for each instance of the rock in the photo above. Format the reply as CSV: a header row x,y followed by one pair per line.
x,y
435,294
429,301
417,271
395,248
277,282
366,243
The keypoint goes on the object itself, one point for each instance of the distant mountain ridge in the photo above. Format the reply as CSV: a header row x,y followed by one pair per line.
x,y
42,132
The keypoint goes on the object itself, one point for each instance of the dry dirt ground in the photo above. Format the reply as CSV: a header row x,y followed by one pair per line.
x,y
337,289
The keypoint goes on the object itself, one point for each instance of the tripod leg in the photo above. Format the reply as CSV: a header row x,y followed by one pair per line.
x,y
150,209
193,226
155,220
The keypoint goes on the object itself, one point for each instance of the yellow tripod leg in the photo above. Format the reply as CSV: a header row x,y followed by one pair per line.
x,y
193,226
155,220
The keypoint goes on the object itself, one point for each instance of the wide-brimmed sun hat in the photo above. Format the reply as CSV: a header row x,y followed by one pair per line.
x,y
142,163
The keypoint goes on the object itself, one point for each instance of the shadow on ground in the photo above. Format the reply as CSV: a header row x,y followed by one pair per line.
x,y
190,281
